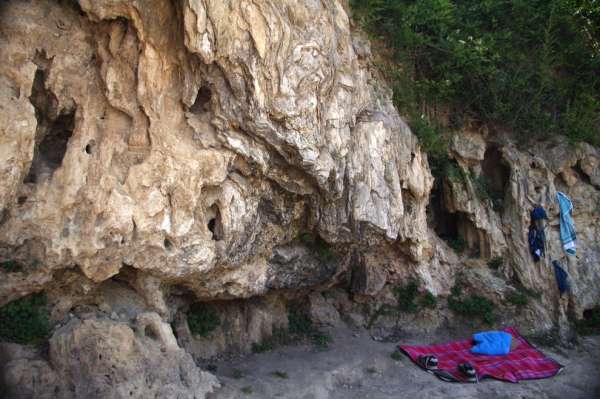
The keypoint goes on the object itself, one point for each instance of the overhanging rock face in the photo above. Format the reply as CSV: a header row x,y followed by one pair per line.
x,y
188,139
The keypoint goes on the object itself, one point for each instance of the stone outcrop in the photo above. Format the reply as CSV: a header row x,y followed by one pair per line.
x,y
158,153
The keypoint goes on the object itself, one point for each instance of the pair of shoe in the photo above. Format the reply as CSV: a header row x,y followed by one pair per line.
x,y
430,363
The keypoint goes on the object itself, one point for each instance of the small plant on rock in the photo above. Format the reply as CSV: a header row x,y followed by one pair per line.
x,y
263,346
11,266
406,296
428,300
202,319
590,323
237,373
280,374
247,390
496,262
471,306
396,355
518,299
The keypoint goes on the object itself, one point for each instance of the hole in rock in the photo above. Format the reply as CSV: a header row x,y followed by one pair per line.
x,y
150,332
168,244
21,200
580,173
214,224
202,102
52,134
588,314
89,148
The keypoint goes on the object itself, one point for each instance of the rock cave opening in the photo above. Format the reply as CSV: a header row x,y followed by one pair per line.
x,y
53,132
580,173
453,227
496,176
214,222
202,102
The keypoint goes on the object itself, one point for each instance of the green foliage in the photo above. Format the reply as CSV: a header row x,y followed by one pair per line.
x,y
471,306
428,300
202,319
517,298
458,244
263,346
300,325
280,374
25,321
590,324
529,65
237,374
319,246
247,390
406,295
496,262
11,266
396,355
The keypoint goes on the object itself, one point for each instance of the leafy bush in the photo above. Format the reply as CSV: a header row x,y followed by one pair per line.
x,y
496,262
263,346
11,266
428,300
25,321
202,319
472,306
396,355
528,65
406,295
300,324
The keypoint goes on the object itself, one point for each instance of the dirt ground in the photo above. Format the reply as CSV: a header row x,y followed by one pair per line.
x,y
355,366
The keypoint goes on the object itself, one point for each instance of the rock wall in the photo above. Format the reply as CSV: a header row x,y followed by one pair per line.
x,y
160,152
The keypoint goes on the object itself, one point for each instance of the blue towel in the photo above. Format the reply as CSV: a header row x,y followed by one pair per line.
x,y
567,228
562,278
491,343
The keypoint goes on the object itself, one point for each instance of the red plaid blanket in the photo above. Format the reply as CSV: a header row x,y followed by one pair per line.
x,y
523,363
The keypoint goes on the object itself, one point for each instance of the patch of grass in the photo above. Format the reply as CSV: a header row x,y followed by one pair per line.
x,y
11,266
263,346
321,340
25,321
237,374
590,324
280,374
495,263
202,319
396,355
247,390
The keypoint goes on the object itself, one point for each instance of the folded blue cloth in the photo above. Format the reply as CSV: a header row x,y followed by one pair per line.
x,y
491,343
567,227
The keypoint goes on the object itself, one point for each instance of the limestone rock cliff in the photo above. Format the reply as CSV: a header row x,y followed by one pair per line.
x,y
158,153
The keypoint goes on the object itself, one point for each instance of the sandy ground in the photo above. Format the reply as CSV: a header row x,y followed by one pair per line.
x,y
357,367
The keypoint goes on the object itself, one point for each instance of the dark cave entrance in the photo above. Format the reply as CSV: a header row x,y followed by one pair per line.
x,y
53,132
215,224
496,176
202,102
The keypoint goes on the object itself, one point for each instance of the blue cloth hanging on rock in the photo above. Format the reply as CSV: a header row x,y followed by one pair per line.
x,y
537,240
562,278
538,213
567,227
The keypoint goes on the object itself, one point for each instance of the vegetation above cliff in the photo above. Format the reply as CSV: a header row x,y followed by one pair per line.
x,y
527,65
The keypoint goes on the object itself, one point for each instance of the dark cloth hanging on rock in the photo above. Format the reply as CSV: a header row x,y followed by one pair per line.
x,y
538,213
562,278
537,240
